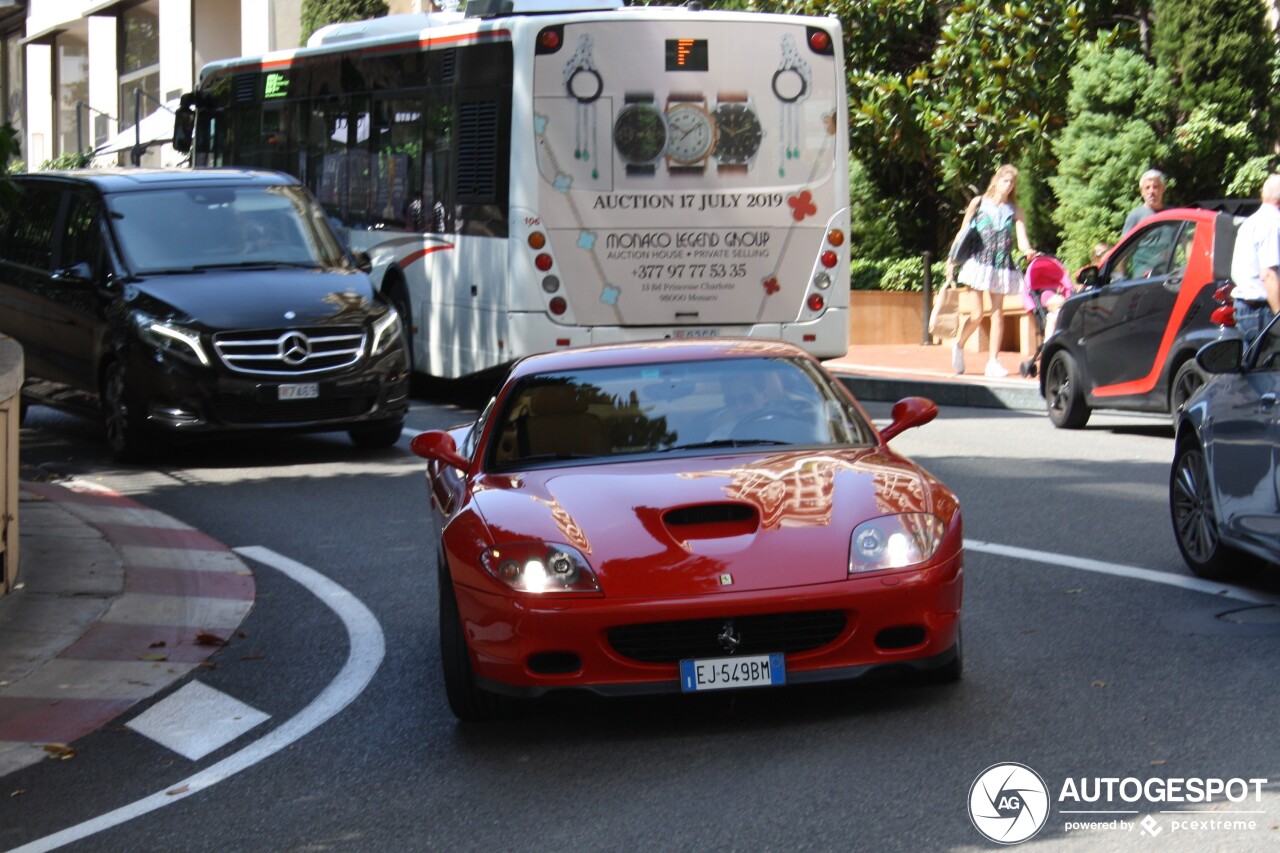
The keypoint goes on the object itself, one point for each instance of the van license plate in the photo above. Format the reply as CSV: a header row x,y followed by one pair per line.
x,y
723,673
302,391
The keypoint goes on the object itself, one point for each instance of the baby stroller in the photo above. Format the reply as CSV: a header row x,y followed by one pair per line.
x,y
1045,276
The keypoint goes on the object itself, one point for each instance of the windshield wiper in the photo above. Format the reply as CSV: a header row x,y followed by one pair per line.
x,y
256,265
725,442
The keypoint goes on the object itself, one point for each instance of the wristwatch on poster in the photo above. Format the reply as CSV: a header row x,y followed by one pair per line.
x,y
691,133
738,132
640,133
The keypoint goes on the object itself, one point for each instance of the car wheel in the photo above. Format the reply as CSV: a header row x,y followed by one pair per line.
x,y
376,435
1186,382
468,702
1195,522
1063,394
398,295
128,437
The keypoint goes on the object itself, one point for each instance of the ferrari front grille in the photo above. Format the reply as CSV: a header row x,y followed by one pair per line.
x,y
669,642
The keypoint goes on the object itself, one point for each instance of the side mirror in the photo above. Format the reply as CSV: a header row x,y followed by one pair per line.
x,y
80,273
364,263
438,446
1088,276
907,413
1224,355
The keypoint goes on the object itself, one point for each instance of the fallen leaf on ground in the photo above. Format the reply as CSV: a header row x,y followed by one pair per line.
x,y
173,792
158,644
59,750
206,639
152,658
1099,684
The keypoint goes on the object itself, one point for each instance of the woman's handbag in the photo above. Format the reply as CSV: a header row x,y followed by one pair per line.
x,y
967,244
944,320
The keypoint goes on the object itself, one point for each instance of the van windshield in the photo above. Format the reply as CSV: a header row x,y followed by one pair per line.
x,y
180,230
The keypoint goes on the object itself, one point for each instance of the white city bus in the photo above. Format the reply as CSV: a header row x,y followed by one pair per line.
x,y
536,174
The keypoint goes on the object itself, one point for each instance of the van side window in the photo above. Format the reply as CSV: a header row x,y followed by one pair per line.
x,y
82,240
28,239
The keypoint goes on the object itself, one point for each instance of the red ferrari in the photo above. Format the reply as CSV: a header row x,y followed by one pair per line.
x,y
685,516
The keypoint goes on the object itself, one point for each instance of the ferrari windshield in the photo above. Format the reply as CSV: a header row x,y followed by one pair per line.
x,y
672,407
177,230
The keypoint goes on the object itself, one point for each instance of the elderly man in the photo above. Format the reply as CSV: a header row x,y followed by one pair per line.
x,y
1151,188
1255,264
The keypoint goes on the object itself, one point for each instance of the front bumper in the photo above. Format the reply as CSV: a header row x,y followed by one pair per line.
x,y
529,647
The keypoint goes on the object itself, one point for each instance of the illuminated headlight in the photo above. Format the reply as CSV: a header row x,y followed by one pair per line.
x,y
386,331
894,542
171,338
540,567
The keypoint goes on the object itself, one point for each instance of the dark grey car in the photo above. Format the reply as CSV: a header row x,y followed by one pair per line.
x,y
1224,487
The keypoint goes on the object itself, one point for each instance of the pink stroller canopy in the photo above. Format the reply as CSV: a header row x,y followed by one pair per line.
x,y
1045,273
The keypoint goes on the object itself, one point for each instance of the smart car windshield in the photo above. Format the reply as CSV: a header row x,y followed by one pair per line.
x,y
176,230
672,407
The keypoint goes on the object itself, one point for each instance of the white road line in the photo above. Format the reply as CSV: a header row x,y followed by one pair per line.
x,y
1222,590
368,647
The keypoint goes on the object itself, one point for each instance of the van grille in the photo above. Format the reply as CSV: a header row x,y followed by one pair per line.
x,y
290,352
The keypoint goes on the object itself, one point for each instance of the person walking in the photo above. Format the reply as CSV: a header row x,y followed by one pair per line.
x,y
992,270
1151,187
1255,264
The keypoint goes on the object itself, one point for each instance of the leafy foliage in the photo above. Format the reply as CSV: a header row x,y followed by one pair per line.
x,y
67,160
10,149
319,13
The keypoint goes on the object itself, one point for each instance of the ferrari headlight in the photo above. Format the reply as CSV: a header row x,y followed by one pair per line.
x,y
170,338
540,567
385,332
895,542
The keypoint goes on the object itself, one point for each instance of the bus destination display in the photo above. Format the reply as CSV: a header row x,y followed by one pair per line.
x,y
686,54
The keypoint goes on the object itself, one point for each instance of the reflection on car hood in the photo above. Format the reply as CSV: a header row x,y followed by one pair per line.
x,y
261,298
800,508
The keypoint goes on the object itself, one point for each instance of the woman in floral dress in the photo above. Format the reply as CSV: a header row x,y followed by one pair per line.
x,y
992,269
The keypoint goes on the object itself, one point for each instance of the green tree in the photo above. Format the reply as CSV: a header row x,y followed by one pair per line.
x,y
1109,141
10,150
319,13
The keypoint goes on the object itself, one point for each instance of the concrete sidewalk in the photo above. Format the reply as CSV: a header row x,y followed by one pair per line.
x,y
114,603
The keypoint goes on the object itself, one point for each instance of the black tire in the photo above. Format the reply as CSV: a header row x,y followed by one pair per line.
x,y
467,702
124,419
376,435
1062,393
1186,381
1195,521
397,293
23,406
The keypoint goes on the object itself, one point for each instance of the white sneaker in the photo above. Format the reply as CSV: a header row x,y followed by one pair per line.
x,y
957,358
995,369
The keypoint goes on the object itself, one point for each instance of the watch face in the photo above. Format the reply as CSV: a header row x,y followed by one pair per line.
x,y
640,133
738,133
692,133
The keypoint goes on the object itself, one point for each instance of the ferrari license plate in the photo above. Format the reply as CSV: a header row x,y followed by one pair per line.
x,y
301,391
723,673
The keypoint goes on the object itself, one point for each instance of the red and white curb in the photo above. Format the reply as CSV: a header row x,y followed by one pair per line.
x,y
115,603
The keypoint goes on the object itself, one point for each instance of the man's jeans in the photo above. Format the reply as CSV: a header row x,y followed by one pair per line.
x,y
1251,319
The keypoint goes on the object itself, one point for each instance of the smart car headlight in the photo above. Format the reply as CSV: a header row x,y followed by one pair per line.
x,y
895,542
171,338
540,567
386,331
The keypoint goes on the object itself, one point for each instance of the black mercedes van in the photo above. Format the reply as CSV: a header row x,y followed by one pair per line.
x,y
192,302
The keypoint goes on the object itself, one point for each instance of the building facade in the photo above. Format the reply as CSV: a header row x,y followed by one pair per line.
x,y
78,75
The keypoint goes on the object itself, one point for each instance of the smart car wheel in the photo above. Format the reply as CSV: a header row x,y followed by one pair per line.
x,y
1186,382
126,429
1195,522
468,702
1063,394
376,435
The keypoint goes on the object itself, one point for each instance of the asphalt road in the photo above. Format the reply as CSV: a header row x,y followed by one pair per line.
x,y
1079,670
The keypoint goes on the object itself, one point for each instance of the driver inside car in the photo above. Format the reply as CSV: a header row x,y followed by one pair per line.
x,y
759,407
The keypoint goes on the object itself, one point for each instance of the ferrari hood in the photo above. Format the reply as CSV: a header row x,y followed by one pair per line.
x,y
710,524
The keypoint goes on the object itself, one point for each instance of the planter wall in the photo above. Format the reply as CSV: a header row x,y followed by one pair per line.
x,y
885,317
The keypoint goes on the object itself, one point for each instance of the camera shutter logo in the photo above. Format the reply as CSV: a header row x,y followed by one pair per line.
x,y
1008,803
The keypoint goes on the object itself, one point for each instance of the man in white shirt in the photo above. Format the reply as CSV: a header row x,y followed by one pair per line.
x,y
1255,264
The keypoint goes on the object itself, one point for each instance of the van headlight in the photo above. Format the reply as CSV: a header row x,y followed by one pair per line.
x,y
386,331
170,338
895,542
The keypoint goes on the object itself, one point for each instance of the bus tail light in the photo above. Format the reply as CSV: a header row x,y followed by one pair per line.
x,y
835,237
820,41
542,262
816,302
558,306
829,259
822,281
537,240
551,283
